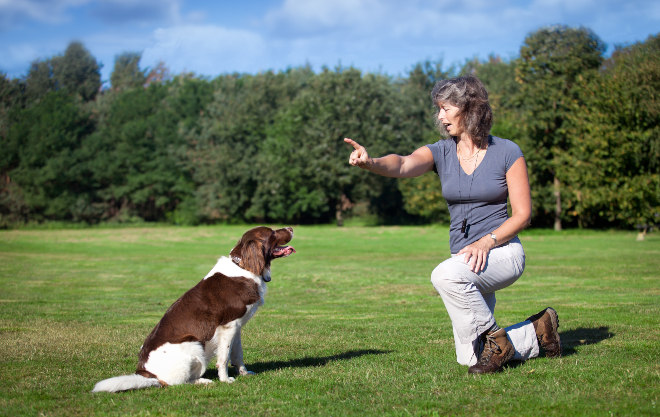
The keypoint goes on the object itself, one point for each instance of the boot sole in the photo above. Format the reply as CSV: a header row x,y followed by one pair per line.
x,y
554,320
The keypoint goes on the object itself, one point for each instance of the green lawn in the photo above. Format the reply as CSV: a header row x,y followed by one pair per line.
x,y
351,325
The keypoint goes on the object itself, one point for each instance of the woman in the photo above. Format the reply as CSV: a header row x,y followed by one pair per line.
x,y
477,171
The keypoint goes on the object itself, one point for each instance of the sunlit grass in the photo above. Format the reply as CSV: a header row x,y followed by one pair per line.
x,y
351,325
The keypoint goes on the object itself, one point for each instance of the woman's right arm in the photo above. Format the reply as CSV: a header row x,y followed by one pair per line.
x,y
396,166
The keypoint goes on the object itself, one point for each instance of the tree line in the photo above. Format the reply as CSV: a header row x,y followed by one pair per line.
x,y
269,147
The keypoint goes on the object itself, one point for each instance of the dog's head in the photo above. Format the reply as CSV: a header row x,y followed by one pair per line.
x,y
258,246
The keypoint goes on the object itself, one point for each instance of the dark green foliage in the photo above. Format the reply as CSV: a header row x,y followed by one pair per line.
x,y
223,153
44,173
12,98
612,165
42,126
498,76
77,71
126,73
269,147
134,163
423,196
40,80
551,61
419,196
304,172
415,95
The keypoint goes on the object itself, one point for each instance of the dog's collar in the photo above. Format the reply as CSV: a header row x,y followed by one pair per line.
x,y
236,260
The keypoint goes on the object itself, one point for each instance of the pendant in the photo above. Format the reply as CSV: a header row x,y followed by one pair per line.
x,y
464,225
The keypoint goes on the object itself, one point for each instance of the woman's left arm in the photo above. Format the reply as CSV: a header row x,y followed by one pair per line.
x,y
520,197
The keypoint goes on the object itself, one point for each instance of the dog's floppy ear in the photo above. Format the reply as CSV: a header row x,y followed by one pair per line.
x,y
252,257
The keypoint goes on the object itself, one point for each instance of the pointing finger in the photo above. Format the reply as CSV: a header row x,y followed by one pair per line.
x,y
352,142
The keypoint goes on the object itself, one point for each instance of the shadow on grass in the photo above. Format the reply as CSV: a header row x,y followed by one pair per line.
x,y
583,336
259,367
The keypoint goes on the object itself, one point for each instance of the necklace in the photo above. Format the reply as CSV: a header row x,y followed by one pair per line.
x,y
464,225
467,159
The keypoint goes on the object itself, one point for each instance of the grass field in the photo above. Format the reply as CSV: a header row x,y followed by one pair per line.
x,y
351,325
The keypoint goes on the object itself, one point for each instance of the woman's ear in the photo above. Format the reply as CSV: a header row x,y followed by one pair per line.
x,y
252,257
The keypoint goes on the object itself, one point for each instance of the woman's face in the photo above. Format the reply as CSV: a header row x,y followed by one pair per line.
x,y
449,118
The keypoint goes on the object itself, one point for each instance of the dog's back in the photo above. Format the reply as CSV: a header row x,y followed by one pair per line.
x,y
196,316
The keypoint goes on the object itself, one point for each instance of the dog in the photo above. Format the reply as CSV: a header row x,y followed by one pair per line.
x,y
207,320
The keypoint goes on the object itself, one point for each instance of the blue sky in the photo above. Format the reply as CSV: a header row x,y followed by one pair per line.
x,y
215,37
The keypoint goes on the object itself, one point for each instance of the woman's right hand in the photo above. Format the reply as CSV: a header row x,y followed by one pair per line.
x,y
359,157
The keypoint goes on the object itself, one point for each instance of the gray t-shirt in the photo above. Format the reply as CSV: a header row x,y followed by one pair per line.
x,y
484,204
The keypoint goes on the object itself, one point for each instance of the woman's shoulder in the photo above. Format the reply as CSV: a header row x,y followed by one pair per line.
x,y
506,151
443,146
504,145
442,143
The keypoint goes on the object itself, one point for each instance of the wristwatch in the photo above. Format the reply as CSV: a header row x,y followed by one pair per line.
x,y
494,238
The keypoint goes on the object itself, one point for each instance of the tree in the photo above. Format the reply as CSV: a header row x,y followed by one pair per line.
x,y
612,161
12,97
48,178
498,75
39,80
551,61
305,174
77,71
222,153
133,154
159,74
126,73
422,196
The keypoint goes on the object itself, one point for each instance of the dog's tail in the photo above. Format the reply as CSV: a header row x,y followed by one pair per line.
x,y
126,382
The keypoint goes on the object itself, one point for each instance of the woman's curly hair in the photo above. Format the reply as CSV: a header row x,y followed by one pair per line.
x,y
470,96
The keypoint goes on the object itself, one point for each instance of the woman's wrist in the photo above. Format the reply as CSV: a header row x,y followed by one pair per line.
x,y
489,241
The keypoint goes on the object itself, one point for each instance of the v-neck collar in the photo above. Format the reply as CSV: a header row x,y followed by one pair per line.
x,y
459,161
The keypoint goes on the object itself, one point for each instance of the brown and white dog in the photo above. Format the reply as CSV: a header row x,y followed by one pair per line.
x,y
207,320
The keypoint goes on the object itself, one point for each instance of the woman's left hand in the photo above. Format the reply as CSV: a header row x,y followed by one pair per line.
x,y
477,253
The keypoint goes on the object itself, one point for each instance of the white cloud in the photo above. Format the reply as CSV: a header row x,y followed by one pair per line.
x,y
391,19
365,33
443,19
207,50
301,17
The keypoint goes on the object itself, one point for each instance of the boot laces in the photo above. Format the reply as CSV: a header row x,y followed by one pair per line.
x,y
490,348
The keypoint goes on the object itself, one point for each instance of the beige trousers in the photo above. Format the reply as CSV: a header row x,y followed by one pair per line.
x,y
470,300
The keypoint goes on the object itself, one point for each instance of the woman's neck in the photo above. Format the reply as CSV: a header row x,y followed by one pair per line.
x,y
466,147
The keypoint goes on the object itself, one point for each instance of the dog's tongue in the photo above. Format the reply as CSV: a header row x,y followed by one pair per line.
x,y
281,251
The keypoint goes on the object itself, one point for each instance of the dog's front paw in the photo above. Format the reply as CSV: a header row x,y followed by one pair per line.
x,y
245,372
229,380
203,381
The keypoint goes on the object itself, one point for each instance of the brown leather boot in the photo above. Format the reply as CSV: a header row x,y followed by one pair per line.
x,y
546,323
498,350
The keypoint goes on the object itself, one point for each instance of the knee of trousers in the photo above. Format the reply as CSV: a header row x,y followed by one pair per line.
x,y
444,278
